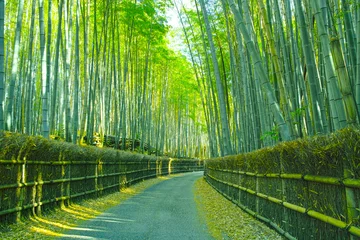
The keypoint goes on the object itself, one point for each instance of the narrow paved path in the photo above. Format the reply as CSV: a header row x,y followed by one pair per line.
x,y
166,211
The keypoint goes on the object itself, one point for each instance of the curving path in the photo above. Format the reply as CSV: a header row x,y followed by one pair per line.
x,y
165,211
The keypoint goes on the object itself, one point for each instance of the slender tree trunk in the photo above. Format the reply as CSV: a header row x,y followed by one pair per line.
x,y
48,50
2,16
261,74
329,65
85,112
358,58
68,37
344,82
14,69
76,77
44,92
56,70
221,97
350,40
312,75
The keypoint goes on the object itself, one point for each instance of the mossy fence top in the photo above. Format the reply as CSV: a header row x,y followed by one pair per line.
x,y
307,188
37,172
22,147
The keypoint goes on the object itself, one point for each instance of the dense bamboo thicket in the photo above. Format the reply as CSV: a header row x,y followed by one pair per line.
x,y
250,73
72,68
38,174
273,70
305,189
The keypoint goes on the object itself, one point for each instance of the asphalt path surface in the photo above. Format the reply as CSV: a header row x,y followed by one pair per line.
x,y
165,211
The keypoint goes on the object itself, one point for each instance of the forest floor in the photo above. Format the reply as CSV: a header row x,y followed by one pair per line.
x,y
225,220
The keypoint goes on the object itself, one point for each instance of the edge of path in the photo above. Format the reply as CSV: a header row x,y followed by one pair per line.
x,y
224,219
54,223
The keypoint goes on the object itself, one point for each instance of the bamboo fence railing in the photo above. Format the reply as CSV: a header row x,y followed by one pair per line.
x,y
28,186
305,189
37,184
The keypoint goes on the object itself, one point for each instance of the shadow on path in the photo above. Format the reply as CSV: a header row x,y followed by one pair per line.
x,y
164,211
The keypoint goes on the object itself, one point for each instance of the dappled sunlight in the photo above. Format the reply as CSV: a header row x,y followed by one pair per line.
x,y
164,178
76,237
56,224
45,231
82,216
128,191
83,209
115,219
111,221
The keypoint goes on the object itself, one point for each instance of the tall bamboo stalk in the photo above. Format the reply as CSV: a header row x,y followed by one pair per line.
x,y
344,82
266,86
14,68
221,97
2,16
44,88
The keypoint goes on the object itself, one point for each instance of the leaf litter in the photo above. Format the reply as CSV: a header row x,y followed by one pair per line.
x,y
225,220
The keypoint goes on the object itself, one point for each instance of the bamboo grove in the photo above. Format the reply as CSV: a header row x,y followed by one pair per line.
x,y
75,69
274,70
251,73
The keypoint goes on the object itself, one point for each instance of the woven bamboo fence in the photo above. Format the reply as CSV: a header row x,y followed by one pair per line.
x,y
305,189
38,174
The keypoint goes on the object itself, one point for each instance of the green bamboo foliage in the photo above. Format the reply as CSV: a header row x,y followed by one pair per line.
x,y
256,74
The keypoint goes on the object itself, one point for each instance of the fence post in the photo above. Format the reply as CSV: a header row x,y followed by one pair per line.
x,y
62,185
283,193
20,189
68,190
96,178
350,202
257,198
169,164
239,184
351,211
39,190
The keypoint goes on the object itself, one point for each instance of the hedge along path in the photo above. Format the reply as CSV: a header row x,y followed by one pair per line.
x,y
305,189
37,173
53,224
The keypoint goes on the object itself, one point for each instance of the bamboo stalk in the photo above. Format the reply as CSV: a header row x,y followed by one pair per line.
x,y
344,82
350,200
